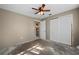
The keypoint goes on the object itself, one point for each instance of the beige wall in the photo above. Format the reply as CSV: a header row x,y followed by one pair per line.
x,y
76,28
15,28
75,25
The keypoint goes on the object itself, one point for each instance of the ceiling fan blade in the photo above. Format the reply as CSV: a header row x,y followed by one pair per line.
x,y
34,8
36,12
46,10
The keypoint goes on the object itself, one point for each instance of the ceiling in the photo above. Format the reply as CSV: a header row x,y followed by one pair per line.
x,y
26,9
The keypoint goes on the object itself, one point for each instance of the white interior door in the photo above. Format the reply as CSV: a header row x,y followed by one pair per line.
x,y
60,29
43,30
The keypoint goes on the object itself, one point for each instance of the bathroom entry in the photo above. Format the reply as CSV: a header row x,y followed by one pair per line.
x,y
37,26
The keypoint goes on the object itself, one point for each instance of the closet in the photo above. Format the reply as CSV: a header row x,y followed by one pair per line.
x,y
61,29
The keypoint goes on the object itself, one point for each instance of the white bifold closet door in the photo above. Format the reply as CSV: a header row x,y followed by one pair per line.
x,y
60,29
43,30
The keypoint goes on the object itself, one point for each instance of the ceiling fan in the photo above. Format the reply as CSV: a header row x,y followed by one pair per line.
x,y
41,10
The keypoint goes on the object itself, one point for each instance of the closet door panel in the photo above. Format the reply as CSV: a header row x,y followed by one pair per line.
x,y
60,29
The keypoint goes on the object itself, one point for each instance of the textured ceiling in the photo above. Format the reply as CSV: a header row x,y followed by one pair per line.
x,y
26,9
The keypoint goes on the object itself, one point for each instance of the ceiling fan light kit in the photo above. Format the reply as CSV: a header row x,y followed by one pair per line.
x,y
41,13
